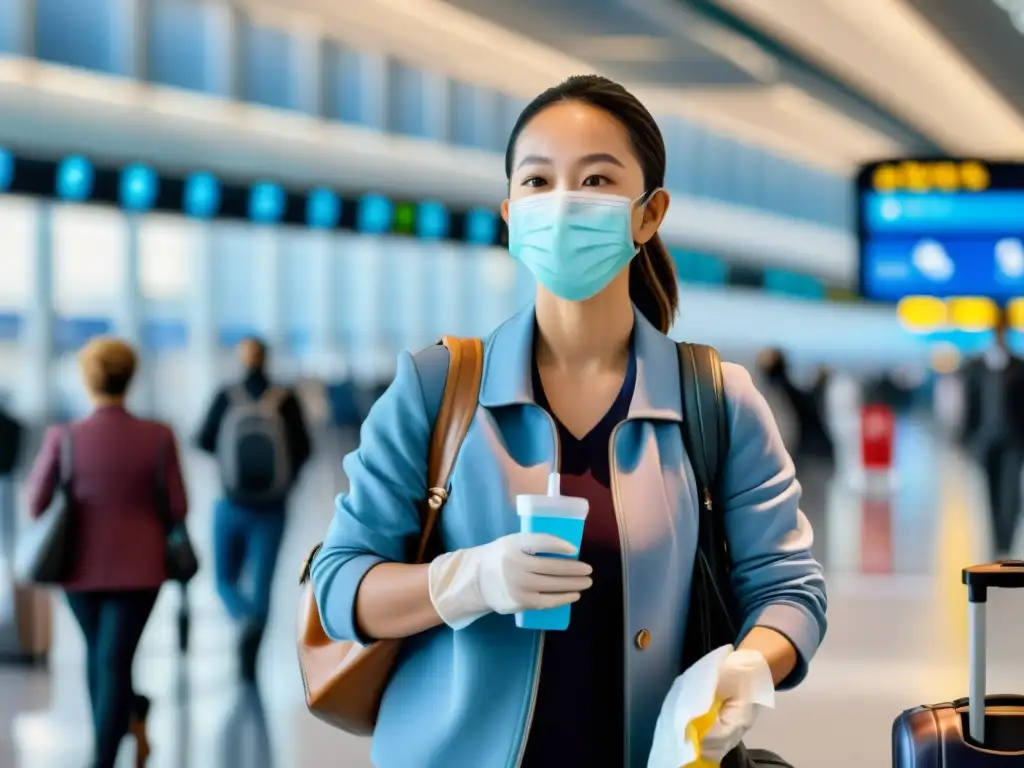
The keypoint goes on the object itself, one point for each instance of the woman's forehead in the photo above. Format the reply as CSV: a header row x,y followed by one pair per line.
x,y
573,129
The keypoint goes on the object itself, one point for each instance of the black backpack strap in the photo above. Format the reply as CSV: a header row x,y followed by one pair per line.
x,y
705,430
705,423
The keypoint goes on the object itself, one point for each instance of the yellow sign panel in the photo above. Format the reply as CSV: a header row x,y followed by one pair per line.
x,y
922,314
942,175
1015,314
973,313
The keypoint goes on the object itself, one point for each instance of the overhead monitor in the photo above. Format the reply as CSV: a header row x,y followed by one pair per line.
x,y
941,228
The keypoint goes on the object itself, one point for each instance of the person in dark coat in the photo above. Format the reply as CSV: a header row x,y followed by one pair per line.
x,y
117,563
994,431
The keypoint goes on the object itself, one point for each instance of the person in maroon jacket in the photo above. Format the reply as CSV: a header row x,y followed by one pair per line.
x,y
117,561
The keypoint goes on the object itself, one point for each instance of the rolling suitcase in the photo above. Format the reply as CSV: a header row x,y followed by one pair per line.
x,y
964,733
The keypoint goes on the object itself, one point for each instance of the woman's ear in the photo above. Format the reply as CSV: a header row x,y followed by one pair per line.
x,y
653,214
504,210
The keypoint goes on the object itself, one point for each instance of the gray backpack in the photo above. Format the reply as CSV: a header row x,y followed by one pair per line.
x,y
252,448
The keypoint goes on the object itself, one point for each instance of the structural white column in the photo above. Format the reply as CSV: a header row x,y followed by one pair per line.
x,y
437,105
223,49
131,314
306,51
25,27
41,323
374,85
266,251
487,118
202,317
133,46
324,339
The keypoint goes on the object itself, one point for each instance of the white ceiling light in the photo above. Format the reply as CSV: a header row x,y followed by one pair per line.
x,y
892,54
436,35
788,119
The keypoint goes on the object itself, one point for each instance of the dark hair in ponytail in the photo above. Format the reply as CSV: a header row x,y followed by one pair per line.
x,y
652,275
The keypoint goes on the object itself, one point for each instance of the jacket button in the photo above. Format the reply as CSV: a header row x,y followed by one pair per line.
x,y
643,639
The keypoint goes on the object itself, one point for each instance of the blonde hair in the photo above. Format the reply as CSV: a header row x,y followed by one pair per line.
x,y
108,366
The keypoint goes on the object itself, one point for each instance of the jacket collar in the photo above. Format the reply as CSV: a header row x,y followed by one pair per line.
x,y
508,365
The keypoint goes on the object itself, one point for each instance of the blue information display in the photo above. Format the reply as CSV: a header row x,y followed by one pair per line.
x,y
142,187
6,169
942,229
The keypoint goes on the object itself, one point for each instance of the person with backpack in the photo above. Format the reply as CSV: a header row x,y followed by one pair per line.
x,y
583,385
257,432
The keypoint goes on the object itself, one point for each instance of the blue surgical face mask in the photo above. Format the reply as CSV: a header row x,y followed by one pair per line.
x,y
574,243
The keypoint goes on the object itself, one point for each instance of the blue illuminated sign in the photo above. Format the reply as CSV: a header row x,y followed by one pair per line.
x,y
139,185
6,170
323,209
72,332
432,220
375,214
202,196
10,326
944,229
266,203
481,227
74,179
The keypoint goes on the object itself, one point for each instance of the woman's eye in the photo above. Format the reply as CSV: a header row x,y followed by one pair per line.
x,y
595,181
533,181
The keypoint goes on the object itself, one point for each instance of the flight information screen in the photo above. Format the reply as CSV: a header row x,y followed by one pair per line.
x,y
941,228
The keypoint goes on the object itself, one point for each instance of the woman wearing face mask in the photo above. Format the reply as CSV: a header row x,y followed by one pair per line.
x,y
583,382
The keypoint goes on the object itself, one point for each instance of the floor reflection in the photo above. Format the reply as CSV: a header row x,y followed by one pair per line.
x,y
895,638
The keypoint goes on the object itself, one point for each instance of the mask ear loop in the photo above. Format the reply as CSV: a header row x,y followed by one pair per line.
x,y
642,201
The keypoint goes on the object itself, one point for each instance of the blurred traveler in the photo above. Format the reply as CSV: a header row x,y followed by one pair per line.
x,y
813,439
117,564
12,434
259,436
586,375
994,431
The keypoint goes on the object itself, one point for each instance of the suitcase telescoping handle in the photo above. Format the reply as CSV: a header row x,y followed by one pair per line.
x,y
1007,574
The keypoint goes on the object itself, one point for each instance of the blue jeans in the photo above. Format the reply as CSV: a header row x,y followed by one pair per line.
x,y
245,544
112,623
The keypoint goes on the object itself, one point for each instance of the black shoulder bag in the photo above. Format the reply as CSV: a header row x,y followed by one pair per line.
x,y
182,563
712,620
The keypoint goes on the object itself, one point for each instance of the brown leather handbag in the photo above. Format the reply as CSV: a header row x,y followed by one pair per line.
x,y
345,681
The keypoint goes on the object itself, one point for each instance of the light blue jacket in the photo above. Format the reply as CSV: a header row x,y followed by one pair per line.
x,y
465,698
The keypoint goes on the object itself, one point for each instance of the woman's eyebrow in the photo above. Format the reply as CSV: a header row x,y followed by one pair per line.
x,y
598,157
601,157
534,160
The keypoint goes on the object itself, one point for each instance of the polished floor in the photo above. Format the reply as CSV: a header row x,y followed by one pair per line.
x,y
897,637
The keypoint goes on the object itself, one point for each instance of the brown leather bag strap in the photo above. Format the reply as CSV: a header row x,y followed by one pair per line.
x,y
458,406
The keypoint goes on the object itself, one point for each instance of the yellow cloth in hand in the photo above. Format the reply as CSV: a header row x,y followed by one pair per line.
x,y
695,731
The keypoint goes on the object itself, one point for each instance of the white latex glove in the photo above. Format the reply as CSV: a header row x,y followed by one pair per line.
x,y
744,686
506,576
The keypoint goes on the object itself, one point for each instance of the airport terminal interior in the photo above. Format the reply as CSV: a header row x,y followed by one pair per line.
x,y
846,221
